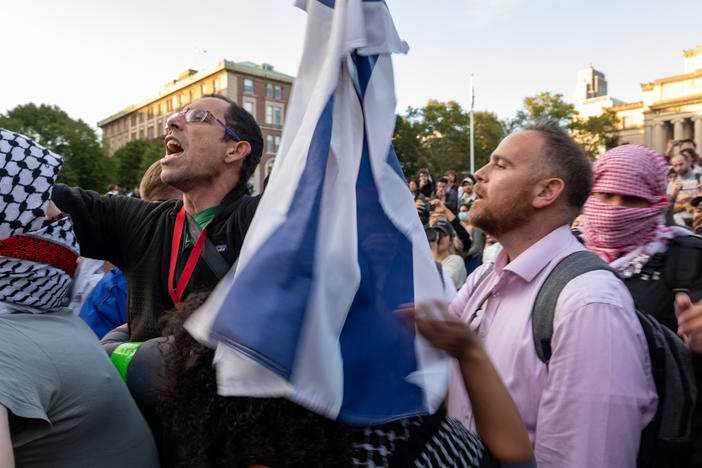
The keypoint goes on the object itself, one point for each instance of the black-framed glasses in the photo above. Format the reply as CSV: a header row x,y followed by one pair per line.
x,y
195,114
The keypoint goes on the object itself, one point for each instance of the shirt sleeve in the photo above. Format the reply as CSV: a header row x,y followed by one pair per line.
x,y
449,289
453,265
462,234
599,393
104,225
28,380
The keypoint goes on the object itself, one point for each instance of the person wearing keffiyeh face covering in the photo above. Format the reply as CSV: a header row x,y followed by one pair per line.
x,y
624,225
59,391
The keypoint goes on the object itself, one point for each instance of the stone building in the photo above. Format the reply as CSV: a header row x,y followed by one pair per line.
x,y
671,107
258,88
591,83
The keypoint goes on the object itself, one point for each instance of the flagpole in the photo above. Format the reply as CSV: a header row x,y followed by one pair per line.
x,y
472,136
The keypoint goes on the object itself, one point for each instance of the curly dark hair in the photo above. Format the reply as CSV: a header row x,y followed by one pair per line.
x,y
214,431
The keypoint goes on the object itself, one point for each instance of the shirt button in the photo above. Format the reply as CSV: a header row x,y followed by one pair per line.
x,y
481,334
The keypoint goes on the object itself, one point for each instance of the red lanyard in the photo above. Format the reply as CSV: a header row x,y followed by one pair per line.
x,y
192,259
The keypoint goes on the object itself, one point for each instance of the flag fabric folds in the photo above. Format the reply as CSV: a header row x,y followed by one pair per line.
x,y
336,244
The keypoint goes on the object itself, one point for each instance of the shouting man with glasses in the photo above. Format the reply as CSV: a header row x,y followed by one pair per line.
x,y
172,248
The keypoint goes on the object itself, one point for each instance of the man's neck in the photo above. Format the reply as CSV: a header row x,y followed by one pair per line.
x,y
519,240
197,200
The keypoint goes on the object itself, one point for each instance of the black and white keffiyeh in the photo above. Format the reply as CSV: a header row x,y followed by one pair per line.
x,y
37,255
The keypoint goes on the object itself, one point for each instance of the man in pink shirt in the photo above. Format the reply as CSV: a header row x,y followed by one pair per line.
x,y
588,406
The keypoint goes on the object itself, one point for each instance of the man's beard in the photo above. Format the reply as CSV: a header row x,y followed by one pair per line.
x,y
511,216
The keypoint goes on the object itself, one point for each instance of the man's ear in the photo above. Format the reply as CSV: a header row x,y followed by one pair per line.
x,y
237,151
547,192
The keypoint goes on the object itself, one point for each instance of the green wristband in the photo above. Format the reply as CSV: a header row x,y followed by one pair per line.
x,y
122,356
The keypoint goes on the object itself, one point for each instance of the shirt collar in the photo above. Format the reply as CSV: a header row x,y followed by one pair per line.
x,y
535,258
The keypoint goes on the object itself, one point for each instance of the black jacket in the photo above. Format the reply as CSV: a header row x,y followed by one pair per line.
x,y
136,236
652,288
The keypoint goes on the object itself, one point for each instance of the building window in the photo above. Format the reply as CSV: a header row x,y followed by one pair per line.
x,y
133,136
278,112
277,92
248,105
133,120
141,117
214,86
141,133
269,166
625,121
269,114
269,90
248,86
204,89
269,144
277,143
175,102
150,132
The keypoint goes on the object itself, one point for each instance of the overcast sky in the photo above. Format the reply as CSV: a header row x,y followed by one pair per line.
x,y
94,58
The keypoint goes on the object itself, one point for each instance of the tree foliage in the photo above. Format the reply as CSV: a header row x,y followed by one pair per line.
x,y
597,133
134,158
85,162
437,136
543,106
408,145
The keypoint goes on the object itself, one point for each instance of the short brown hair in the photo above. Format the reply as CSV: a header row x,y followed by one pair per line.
x,y
567,160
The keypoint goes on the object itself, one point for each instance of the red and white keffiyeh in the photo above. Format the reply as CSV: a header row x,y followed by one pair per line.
x,y
37,255
627,237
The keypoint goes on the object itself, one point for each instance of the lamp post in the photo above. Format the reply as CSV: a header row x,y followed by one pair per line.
x,y
472,130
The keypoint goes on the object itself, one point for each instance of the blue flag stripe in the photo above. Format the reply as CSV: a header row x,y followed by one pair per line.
x,y
291,248
335,246
378,393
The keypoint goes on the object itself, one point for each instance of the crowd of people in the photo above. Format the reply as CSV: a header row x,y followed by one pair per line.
x,y
585,392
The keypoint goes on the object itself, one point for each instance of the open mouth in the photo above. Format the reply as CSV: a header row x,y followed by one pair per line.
x,y
173,147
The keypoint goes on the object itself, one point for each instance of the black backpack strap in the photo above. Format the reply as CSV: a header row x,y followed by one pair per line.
x,y
681,267
209,253
568,268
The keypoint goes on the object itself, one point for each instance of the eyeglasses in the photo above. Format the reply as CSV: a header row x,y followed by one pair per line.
x,y
195,114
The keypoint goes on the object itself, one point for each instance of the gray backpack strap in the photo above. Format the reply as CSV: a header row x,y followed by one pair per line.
x,y
485,274
568,268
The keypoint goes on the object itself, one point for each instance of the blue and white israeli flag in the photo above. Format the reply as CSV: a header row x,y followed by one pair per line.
x,y
336,244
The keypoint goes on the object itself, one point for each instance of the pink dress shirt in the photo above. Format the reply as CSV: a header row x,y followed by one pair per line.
x,y
588,407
